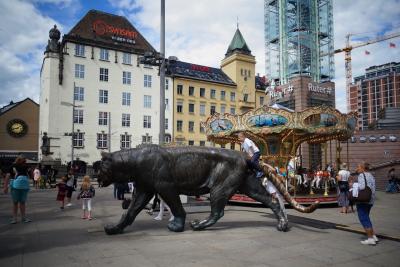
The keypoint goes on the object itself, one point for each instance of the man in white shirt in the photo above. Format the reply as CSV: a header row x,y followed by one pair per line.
x,y
253,153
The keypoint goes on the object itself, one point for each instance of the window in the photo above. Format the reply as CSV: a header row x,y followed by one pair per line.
x,y
179,107
201,128
166,104
212,93
78,139
166,124
78,116
261,100
125,141
191,143
167,138
233,96
126,58
103,54
126,99
166,84
179,89
79,71
179,125
223,109
126,77
79,93
202,143
191,126
232,111
102,139
79,50
191,91
245,97
147,80
104,74
147,122
103,96
147,139
103,118
126,120
212,109
202,109
222,95
147,101
191,108
233,146
202,92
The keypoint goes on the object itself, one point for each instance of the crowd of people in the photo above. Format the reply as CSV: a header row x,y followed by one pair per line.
x,y
351,187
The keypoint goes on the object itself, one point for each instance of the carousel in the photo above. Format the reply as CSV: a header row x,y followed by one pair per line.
x,y
282,136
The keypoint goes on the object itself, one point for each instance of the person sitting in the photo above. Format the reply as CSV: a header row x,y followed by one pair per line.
x,y
393,185
253,152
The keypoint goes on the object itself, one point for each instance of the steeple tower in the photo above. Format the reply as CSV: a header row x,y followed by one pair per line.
x,y
239,64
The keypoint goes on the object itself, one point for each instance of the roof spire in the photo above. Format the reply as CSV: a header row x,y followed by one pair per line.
x,y
237,22
238,44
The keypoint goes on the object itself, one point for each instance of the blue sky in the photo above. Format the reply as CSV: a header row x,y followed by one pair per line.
x,y
196,31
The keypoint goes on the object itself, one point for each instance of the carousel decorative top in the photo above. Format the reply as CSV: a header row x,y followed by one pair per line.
x,y
266,124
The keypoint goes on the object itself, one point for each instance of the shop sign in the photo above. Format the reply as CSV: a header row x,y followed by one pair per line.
x,y
318,89
118,34
279,92
199,68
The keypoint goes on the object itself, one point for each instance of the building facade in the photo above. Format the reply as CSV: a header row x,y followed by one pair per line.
x,y
200,91
95,95
19,124
371,93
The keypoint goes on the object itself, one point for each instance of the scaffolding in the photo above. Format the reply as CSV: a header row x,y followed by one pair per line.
x,y
298,39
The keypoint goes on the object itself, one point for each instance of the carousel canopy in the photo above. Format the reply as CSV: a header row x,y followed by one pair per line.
x,y
279,125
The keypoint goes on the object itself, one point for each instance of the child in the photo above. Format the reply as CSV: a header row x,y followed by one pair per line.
x,y
62,189
353,184
87,192
269,186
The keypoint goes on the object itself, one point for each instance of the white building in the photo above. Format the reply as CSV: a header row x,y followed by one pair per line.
x,y
95,72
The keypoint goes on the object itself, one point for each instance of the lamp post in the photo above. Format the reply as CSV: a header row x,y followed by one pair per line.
x,y
73,123
155,59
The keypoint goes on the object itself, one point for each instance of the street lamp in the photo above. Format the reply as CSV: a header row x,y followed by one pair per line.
x,y
155,59
73,112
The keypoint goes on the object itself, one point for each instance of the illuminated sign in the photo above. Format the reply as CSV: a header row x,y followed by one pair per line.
x,y
200,68
119,34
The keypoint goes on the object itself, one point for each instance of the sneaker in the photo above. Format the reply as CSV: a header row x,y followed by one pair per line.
x,y
158,218
150,212
61,208
26,220
259,174
13,221
89,218
69,205
375,238
369,241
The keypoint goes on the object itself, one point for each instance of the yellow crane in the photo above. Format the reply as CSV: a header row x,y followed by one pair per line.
x,y
347,57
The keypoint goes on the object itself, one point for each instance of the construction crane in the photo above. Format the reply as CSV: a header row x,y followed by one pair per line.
x,y
347,57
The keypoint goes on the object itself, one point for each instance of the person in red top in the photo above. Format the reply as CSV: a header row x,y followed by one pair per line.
x,y
62,190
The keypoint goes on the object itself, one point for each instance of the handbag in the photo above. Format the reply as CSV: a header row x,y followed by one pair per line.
x,y
364,195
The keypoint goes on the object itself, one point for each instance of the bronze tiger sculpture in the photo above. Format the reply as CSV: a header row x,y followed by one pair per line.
x,y
171,171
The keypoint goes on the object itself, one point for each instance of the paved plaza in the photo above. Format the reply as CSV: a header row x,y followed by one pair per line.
x,y
245,236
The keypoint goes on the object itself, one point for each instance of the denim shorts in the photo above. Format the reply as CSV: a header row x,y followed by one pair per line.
x,y
19,195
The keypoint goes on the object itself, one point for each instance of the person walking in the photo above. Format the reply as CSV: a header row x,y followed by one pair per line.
x,y
70,186
253,153
62,189
160,215
86,194
343,188
19,188
365,178
36,177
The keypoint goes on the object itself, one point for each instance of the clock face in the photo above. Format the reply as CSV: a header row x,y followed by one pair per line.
x,y
17,128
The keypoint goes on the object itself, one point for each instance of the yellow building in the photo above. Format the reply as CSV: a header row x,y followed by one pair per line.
x,y
200,91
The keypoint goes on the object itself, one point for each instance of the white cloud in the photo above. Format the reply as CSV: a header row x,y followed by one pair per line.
x,y
23,37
